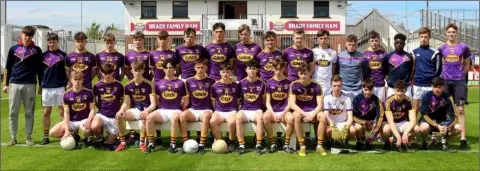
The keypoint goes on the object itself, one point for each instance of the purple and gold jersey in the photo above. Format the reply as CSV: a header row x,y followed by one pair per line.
x,y
114,58
399,109
109,97
452,57
244,53
226,96
171,93
306,96
294,58
278,91
218,54
199,90
139,94
252,94
265,60
82,62
78,103
156,61
373,68
187,56
144,56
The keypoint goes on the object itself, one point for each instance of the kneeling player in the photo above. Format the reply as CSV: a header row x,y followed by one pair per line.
x,y
368,113
306,100
198,88
108,95
439,114
79,111
401,118
138,102
253,98
173,98
225,95
277,105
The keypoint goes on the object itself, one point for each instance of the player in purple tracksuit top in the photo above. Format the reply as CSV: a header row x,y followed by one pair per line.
x,y
246,50
268,55
161,54
112,56
188,53
373,65
82,60
297,55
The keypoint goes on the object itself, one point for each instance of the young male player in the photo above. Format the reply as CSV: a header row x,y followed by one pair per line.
x,y
225,99
219,51
297,55
253,99
373,65
350,67
325,60
108,97
53,83
188,53
245,51
81,60
138,102
159,55
398,65
268,55
306,100
139,53
201,108
111,56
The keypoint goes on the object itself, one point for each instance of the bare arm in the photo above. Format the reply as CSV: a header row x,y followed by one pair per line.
x,y
293,105
186,101
392,125
412,116
66,118
153,103
349,117
466,67
268,103
319,107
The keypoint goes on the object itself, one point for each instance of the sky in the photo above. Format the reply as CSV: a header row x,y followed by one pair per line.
x,y
67,14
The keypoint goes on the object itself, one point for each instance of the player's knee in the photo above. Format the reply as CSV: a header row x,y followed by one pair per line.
x,y
297,116
458,127
460,110
289,119
183,116
358,127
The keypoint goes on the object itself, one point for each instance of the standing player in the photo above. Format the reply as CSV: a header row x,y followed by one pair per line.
x,y
401,118
373,65
79,111
325,60
438,114
218,52
350,66
172,98
159,55
268,55
81,60
138,102
253,98
297,55
108,97
398,65
53,83
139,53
111,56
23,64
306,100
245,51
225,98
188,53
456,62
201,108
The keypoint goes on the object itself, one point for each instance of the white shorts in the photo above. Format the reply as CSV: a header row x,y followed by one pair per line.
x,y
225,115
419,91
401,126
277,114
198,113
75,125
391,91
167,113
109,123
340,125
379,92
52,96
250,114
135,113
351,94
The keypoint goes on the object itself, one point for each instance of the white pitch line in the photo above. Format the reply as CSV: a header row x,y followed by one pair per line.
x,y
5,98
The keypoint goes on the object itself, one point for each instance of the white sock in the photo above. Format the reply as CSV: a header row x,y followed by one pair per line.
x,y
444,140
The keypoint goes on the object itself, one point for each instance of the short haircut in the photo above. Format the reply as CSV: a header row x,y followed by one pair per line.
x,y
352,38
76,75
400,36
138,35
202,61
218,25
109,37
304,67
323,32
52,36
244,27
168,61
189,31
368,83
451,25
270,34
299,31
278,63
336,78
252,64
438,82
400,84
162,35
107,68
425,30
373,35
80,36
226,66
137,65
29,31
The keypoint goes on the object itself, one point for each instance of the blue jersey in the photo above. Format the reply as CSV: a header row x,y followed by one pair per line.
x,y
54,74
368,110
438,110
350,67
398,66
427,65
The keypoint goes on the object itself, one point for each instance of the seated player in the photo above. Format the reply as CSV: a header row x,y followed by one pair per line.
x,y
306,100
439,114
108,97
172,98
401,118
337,113
79,111
368,113
138,102
277,106
253,99
201,108
225,98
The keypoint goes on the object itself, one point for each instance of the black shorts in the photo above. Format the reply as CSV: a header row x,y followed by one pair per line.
x,y
456,88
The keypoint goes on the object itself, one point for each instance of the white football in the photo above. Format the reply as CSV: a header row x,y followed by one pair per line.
x,y
190,146
219,146
68,143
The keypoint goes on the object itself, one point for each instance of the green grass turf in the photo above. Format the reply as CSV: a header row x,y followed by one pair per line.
x,y
54,158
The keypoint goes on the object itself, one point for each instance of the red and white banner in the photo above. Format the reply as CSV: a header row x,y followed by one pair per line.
x,y
152,26
310,26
